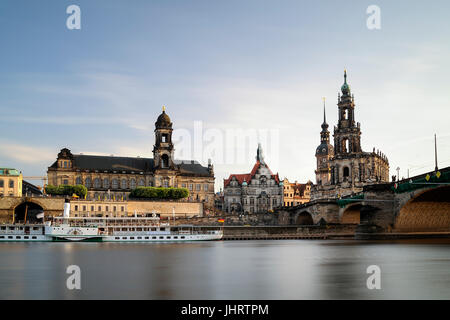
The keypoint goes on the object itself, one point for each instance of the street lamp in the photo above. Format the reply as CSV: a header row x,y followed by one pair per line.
x,y
398,173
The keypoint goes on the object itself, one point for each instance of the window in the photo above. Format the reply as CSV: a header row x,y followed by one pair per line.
x,y
141,183
78,180
65,164
84,208
87,183
191,186
166,183
106,183
123,184
97,183
133,184
2,184
165,161
205,187
11,183
65,182
76,208
92,208
198,187
183,185
122,209
115,184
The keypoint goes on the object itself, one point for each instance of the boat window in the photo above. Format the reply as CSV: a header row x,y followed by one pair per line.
x,y
153,229
182,237
26,237
2,237
124,238
33,237
139,237
3,228
162,229
10,237
153,237
146,238
175,237
161,237
18,237
117,238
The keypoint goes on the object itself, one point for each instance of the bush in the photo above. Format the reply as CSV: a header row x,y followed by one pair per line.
x,y
159,193
66,190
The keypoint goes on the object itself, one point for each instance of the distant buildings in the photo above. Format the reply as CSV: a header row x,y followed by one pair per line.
x,y
296,193
10,182
344,168
113,178
256,192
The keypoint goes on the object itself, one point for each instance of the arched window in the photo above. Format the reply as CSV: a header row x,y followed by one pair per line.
x,y
106,183
123,184
150,183
165,161
141,183
346,172
87,183
97,183
115,184
133,184
78,180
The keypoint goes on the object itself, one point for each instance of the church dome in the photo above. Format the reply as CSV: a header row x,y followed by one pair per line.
x,y
324,149
345,88
163,120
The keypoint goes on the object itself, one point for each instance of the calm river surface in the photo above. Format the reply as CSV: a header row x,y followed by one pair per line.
x,y
295,269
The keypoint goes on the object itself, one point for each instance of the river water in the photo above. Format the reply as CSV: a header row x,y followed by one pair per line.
x,y
296,269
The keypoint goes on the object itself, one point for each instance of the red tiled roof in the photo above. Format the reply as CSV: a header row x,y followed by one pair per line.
x,y
247,177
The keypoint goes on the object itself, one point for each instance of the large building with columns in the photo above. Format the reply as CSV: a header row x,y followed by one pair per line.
x,y
113,178
343,169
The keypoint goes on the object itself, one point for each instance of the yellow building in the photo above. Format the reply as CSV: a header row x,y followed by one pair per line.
x,y
296,193
130,208
10,183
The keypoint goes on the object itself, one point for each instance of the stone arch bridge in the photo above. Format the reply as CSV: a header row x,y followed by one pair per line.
x,y
420,204
25,208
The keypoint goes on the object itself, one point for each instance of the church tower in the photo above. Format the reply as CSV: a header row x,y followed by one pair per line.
x,y
347,135
324,153
163,149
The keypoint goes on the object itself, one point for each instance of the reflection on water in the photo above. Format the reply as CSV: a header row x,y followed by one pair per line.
x,y
227,270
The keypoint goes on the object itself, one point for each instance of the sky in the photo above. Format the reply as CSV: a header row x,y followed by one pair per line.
x,y
231,74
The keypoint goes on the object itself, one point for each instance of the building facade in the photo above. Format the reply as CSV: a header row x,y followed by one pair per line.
x,y
295,193
10,182
343,169
113,178
257,192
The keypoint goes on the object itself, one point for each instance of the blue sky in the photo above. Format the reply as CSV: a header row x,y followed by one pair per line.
x,y
249,65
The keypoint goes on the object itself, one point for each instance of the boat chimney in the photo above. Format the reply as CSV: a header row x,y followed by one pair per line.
x,y
66,208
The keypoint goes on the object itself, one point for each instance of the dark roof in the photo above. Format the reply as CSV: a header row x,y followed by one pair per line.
x,y
128,164
86,162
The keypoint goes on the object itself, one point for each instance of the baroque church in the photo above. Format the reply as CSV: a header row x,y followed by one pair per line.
x,y
343,169
113,178
256,192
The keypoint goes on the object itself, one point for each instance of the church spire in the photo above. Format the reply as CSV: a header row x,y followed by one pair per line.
x,y
259,154
345,87
324,124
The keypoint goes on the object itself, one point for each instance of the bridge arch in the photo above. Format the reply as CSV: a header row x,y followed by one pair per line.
x,y
28,211
352,214
304,218
426,211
